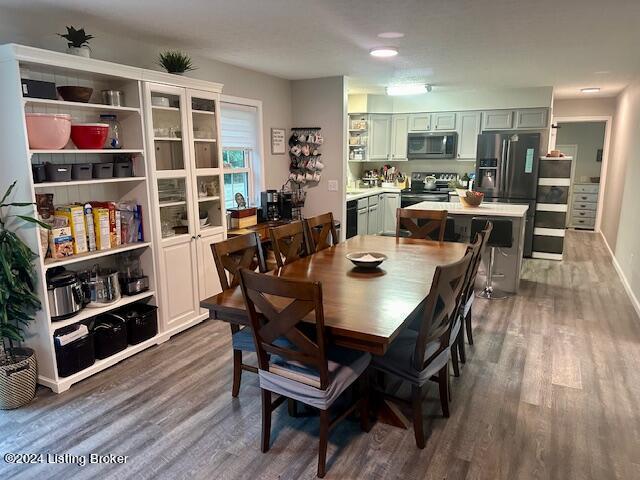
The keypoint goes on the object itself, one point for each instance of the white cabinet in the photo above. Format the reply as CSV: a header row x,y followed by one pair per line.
x,y
468,130
208,280
390,203
399,131
363,221
497,120
379,136
532,118
420,122
444,121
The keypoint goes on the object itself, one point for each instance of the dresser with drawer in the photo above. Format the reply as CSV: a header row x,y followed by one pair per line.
x,y
584,203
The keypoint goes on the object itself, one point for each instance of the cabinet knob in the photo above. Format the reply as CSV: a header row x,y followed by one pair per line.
x,y
199,236
193,237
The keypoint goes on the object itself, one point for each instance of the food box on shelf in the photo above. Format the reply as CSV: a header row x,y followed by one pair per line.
x,y
101,227
114,221
75,218
61,242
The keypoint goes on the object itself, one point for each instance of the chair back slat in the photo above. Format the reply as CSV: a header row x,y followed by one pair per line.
x,y
265,296
244,251
423,224
289,243
321,232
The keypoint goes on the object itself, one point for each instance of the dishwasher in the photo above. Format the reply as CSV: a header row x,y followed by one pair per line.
x,y
352,218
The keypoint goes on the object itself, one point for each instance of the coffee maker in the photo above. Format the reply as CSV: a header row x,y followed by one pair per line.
x,y
270,203
286,205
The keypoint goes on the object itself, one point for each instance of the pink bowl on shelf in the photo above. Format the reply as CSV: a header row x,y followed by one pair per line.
x,y
87,136
48,131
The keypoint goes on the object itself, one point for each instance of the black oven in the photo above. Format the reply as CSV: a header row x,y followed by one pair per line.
x,y
431,145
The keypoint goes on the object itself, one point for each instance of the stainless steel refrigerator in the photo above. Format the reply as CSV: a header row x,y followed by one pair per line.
x,y
507,171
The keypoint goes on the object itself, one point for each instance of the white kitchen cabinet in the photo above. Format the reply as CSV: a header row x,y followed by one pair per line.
x,y
468,131
379,137
420,122
390,203
363,221
444,121
372,220
208,280
497,120
532,118
399,131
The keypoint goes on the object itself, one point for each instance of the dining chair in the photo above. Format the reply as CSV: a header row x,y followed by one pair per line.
x,y
289,242
303,367
418,356
424,224
321,232
230,255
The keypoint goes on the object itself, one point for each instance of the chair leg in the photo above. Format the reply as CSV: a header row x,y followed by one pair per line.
x,y
324,438
443,383
292,407
418,426
266,420
237,372
461,350
365,424
454,358
467,322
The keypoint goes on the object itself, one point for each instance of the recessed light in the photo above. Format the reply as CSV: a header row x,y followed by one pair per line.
x,y
391,35
590,90
408,89
603,72
383,52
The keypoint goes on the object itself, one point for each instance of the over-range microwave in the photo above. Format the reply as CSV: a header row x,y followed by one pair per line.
x,y
431,145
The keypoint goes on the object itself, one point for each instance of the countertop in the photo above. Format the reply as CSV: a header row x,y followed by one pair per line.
x,y
487,209
366,192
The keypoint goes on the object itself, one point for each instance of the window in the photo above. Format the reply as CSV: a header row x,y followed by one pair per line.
x,y
240,152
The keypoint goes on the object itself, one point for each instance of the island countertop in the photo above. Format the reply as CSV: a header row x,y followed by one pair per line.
x,y
485,209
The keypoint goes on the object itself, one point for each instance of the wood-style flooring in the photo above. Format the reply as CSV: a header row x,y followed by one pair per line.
x,y
550,390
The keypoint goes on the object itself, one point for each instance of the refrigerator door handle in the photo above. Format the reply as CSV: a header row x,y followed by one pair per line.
x,y
501,183
506,169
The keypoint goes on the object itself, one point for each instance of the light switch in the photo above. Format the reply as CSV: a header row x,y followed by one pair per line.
x,y
332,185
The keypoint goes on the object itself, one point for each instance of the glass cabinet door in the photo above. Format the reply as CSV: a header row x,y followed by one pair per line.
x,y
168,128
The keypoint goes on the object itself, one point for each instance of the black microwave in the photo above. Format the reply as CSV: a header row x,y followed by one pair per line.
x,y
431,145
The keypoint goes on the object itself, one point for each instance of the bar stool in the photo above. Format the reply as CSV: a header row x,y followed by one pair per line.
x,y
450,234
501,237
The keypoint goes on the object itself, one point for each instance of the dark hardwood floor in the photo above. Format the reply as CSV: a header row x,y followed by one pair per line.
x,y
550,390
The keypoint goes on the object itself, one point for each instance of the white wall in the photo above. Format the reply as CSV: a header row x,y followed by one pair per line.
x,y
275,93
589,136
322,103
580,107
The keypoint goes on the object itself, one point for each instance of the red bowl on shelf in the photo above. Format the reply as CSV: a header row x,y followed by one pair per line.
x,y
89,136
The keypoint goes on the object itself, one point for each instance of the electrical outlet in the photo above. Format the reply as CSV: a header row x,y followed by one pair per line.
x,y
332,185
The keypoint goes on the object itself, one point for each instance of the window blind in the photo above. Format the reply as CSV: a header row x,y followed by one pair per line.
x,y
239,126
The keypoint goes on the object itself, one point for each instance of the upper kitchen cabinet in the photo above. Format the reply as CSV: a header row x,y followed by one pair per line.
x,y
443,121
399,131
420,122
532,118
468,131
379,136
497,120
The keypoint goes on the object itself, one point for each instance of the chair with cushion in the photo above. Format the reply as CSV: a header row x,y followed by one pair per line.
x,y
417,356
423,224
321,232
302,366
501,237
230,255
289,242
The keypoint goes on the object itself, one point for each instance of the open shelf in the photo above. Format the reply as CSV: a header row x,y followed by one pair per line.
x,y
88,312
203,112
168,109
172,204
94,181
209,199
167,139
205,140
81,257
112,151
79,105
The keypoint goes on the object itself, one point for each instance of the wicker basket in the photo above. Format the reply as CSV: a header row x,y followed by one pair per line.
x,y
469,200
18,380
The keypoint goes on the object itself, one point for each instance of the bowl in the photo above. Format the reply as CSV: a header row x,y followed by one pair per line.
x,y
88,136
366,259
75,94
48,131
470,198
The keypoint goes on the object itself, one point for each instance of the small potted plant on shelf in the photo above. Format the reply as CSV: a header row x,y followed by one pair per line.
x,y
78,42
176,62
18,305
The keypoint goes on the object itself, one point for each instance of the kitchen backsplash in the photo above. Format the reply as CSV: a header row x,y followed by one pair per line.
x,y
436,166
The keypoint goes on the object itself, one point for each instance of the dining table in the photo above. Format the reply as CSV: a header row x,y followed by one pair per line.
x,y
364,309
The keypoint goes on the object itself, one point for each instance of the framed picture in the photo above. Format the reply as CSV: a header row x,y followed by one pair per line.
x,y
278,141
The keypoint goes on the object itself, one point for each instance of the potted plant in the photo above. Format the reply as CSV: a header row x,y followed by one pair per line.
x,y
176,62
18,305
77,41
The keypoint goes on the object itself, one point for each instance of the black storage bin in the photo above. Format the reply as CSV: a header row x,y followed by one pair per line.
x,y
60,172
81,171
38,89
76,355
103,170
39,173
123,168
142,322
109,335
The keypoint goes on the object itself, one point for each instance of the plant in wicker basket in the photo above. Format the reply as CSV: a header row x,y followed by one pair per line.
x,y
18,305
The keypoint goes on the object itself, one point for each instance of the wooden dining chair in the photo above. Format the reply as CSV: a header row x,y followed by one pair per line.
x,y
304,368
230,255
423,224
423,355
321,232
289,242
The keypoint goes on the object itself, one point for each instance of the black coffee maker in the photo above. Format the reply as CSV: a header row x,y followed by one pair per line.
x,y
270,202
286,205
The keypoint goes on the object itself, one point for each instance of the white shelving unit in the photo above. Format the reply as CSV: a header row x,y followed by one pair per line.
x,y
135,117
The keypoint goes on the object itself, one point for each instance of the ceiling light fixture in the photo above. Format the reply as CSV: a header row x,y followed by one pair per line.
x,y
391,35
383,52
408,89
590,90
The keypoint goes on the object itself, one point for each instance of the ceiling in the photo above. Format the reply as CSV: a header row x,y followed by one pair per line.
x,y
568,44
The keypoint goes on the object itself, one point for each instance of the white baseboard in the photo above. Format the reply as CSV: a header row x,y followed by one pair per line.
x,y
634,300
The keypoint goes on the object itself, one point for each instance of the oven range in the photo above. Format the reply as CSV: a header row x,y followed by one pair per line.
x,y
425,189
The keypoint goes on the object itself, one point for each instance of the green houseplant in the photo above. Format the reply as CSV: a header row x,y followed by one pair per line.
x,y
174,61
77,41
18,305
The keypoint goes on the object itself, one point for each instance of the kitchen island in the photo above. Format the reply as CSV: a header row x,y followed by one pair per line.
x,y
508,263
